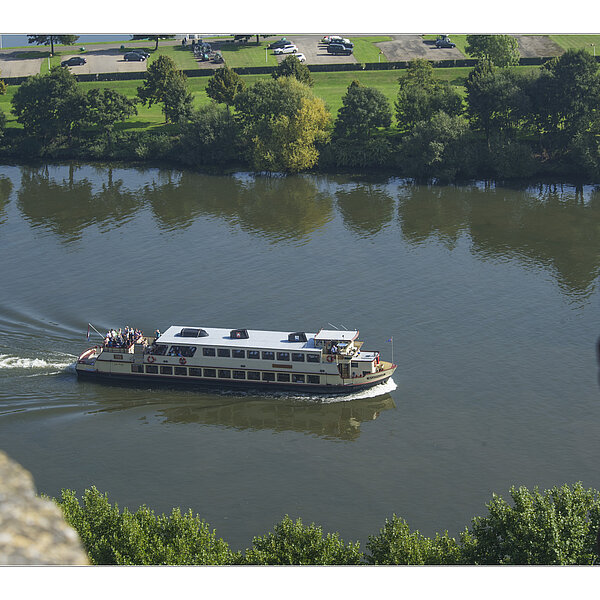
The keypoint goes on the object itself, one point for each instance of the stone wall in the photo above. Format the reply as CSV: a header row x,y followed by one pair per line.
x,y
32,529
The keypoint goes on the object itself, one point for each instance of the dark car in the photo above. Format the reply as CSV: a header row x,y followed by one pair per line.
x,y
134,56
142,53
278,44
339,49
444,42
74,61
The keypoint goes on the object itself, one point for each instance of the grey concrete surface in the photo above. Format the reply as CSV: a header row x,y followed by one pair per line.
x,y
315,52
537,45
12,64
409,47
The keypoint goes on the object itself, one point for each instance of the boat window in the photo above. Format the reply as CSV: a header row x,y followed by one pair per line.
x,y
159,349
296,378
313,358
151,369
180,371
208,351
223,352
298,356
283,356
239,374
354,365
187,351
283,376
196,371
253,354
166,370
314,378
238,353
224,373
268,355
254,375
137,368
210,373
268,376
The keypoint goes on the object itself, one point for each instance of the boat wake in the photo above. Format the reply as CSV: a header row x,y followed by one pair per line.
x,y
378,390
61,362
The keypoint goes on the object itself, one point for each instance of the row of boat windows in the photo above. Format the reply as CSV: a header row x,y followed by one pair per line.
x,y
227,374
189,351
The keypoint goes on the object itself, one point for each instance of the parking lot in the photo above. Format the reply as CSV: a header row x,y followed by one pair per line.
x,y
315,52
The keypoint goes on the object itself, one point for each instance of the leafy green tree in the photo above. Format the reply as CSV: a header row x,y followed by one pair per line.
x,y
290,66
211,137
556,527
442,147
284,123
500,50
142,538
166,84
565,97
45,40
292,543
363,110
49,105
497,100
421,95
397,545
105,107
224,86
2,87
153,37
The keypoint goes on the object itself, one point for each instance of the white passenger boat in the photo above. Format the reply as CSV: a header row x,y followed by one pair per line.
x,y
330,361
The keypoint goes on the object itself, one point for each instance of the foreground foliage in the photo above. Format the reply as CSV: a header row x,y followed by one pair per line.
x,y
559,526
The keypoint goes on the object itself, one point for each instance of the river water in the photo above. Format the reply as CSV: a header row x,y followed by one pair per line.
x,y
489,293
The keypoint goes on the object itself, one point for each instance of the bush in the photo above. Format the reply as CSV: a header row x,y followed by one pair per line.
x,y
396,545
292,543
141,538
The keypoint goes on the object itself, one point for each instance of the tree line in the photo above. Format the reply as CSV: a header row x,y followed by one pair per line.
x,y
509,124
558,526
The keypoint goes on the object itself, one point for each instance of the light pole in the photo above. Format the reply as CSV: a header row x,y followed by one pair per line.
x,y
594,47
266,50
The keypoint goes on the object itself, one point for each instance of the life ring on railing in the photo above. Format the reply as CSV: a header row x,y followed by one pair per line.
x,y
182,361
151,359
330,358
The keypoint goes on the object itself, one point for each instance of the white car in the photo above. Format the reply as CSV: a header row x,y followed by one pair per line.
x,y
289,49
300,56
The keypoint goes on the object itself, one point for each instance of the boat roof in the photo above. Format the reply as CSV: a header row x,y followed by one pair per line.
x,y
337,335
277,340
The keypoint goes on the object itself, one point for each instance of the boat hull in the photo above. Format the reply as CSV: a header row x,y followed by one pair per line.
x,y
173,381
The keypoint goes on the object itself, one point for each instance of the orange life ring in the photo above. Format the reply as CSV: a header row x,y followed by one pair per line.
x,y
182,361
330,358
151,359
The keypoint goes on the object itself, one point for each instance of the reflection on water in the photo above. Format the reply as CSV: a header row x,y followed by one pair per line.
x,y
555,227
5,190
338,419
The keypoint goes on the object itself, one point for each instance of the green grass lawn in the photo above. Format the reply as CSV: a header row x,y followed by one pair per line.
x,y
248,55
365,50
575,42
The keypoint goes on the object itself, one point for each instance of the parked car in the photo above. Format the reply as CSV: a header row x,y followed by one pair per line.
x,y
289,49
142,53
300,56
133,56
338,39
444,42
73,61
338,49
278,44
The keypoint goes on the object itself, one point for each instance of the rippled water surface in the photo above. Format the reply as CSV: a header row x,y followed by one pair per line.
x,y
490,295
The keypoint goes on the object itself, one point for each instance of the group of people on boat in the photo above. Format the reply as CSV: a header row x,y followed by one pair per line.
x,y
123,338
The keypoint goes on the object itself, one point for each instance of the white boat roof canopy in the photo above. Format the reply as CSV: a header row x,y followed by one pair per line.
x,y
335,335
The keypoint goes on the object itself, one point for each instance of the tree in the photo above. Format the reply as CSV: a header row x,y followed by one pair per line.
x,y
165,84
497,100
292,67
556,527
44,40
565,97
396,545
112,537
500,50
49,105
293,543
363,109
105,107
224,86
284,123
421,95
153,37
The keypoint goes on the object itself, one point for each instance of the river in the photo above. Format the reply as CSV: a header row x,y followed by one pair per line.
x,y
490,294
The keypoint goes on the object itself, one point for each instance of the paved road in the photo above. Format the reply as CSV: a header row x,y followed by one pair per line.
x,y
409,47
